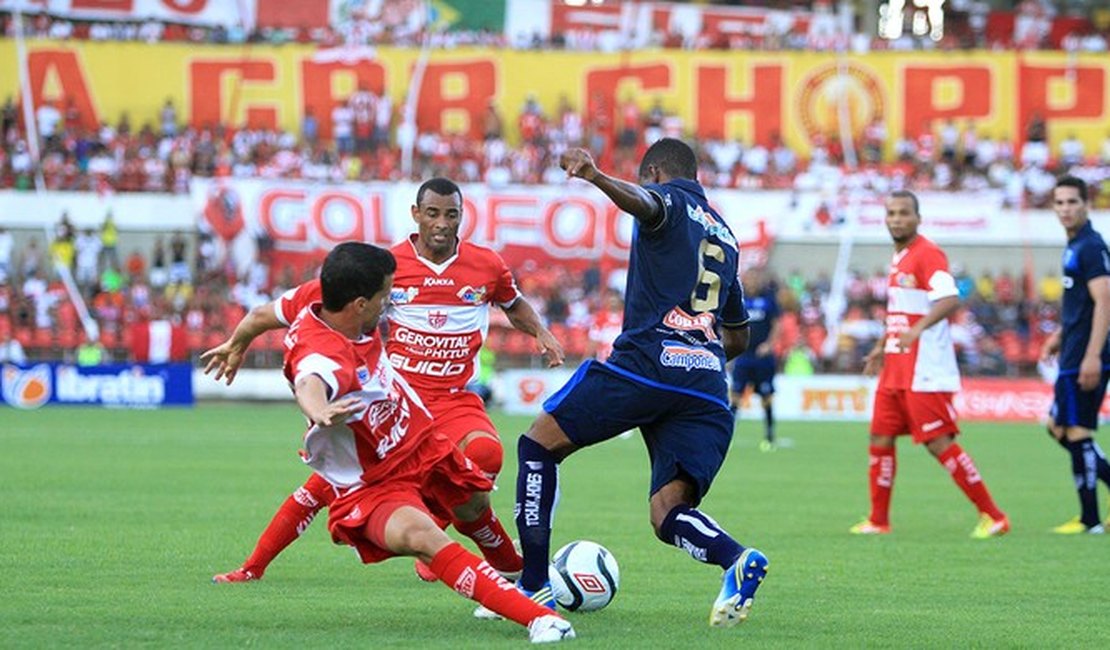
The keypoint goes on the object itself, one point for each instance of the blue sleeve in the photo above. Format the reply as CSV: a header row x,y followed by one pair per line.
x,y
669,200
733,312
1094,261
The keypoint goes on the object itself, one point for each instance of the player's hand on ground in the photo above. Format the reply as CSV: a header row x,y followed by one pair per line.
x,y
338,411
551,349
578,163
1090,372
225,359
873,362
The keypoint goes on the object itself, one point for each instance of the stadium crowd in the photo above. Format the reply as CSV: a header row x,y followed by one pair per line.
x,y
162,154
182,281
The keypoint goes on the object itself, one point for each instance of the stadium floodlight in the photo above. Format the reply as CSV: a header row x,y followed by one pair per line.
x,y
927,19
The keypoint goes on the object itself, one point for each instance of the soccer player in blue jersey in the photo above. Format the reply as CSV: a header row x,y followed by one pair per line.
x,y
756,366
684,317
1084,356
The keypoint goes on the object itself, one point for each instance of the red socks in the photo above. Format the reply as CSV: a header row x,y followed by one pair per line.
x,y
291,519
883,464
467,574
491,538
966,475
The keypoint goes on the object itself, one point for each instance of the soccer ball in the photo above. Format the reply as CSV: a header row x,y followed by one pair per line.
x,y
584,576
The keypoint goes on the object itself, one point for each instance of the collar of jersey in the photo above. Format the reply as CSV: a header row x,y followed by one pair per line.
x,y
438,268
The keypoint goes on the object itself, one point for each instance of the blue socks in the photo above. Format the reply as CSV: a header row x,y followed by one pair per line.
x,y
696,533
537,493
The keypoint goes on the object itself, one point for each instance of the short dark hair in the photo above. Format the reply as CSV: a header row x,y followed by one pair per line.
x,y
1071,181
439,185
673,157
354,270
906,194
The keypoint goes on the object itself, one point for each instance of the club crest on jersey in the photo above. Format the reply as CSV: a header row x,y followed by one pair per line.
x,y
472,295
402,296
905,280
437,319
678,355
712,226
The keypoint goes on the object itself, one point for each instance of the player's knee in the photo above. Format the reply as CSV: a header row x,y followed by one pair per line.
x,y
319,492
485,451
473,508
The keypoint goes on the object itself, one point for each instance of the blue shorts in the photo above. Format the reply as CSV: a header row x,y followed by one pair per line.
x,y
1074,407
758,372
686,435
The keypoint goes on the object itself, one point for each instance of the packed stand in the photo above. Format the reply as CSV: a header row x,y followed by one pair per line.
x,y
164,155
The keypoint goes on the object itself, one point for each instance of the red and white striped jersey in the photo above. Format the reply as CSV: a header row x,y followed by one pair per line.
x,y
439,313
373,443
919,277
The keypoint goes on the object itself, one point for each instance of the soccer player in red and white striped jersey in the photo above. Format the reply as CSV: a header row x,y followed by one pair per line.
x,y
918,373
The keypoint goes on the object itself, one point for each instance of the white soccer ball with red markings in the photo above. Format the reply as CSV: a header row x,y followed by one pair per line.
x,y
584,576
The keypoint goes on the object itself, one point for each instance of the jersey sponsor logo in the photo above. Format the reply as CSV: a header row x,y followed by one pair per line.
x,y
439,282
472,295
437,319
678,319
402,296
427,367
677,355
905,280
26,389
363,375
713,227
1067,281
432,341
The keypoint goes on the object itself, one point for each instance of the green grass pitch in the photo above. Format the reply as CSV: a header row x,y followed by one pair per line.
x,y
114,521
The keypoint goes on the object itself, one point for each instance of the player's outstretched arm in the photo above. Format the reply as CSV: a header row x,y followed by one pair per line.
x,y
226,358
312,397
633,199
524,318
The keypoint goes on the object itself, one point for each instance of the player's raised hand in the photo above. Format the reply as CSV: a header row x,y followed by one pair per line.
x,y
578,163
225,359
338,411
550,348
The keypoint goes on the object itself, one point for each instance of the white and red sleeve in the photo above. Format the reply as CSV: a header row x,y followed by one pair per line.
x,y
505,292
293,301
934,276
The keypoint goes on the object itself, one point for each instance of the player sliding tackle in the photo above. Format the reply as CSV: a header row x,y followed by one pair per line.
x,y
441,297
684,316
373,440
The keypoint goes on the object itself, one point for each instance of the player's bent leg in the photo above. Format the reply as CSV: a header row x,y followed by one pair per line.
x,y
538,453
288,523
484,450
676,521
992,521
476,520
410,531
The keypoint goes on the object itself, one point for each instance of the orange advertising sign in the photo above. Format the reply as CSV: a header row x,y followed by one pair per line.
x,y
750,96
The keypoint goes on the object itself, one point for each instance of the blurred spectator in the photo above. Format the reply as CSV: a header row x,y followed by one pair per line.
x,y
91,353
7,244
109,240
11,350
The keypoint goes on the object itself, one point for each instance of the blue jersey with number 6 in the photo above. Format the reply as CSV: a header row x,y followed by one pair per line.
x,y
682,288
